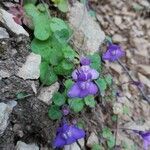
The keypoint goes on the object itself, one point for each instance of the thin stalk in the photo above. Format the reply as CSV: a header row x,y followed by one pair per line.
x,y
139,88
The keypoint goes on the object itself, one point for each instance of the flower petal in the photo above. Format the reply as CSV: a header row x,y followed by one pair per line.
x,y
59,141
85,61
74,91
106,56
92,88
77,132
74,74
94,74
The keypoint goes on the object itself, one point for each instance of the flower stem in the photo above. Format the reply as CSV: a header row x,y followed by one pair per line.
x,y
139,88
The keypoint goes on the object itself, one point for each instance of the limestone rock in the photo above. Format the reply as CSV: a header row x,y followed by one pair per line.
x,y
4,74
7,19
118,20
139,127
118,108
46,93
89,33
93,139
145,69
118,38
23,146
81,142
144,80
5,111
3,33
73,146
31,68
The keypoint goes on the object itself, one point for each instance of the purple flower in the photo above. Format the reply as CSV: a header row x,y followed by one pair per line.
x,y
85,61
82,89
146,139
113,53
65,110
68,134
85,73
83,77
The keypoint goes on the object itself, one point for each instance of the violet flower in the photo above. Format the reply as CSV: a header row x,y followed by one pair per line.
x,y
146,139
85,73
113,53
83,77
67,134
82,89
85,61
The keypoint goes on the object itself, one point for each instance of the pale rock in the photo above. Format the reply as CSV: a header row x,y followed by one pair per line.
x,y
118,108
4,74
139,127
93,139
144,3
144,69
31,68
87,31
23,146
123,138
118,38
5,111
46,93
7,19
3,33
144,80
33,86
81,142
73,146
142,47
117,20
116,67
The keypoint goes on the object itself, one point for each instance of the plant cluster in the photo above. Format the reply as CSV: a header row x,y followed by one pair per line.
x,y
80,78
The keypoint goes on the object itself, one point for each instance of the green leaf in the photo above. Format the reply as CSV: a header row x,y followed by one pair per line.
x,y
102,85
40,20
76,104
114,118
21,95
108,39
54,112
92,13
64,68
68,84
69,53
81,124
63,5
89,101
126,110
108,79
29,1
50,50
97,147
57,24
47,75
62,36
111,142
58,99
95,61
106,133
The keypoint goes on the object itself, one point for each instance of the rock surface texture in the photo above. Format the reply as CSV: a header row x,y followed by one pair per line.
x,y
7,19
88,34
5,111
31,68
23,146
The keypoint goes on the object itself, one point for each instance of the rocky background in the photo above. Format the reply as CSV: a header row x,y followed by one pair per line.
x,y
24,124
